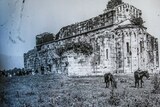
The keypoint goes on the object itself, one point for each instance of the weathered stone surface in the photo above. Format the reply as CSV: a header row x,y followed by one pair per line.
x,y
110,42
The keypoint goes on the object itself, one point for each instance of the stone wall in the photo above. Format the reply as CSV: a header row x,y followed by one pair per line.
x,y
126,12
139,49
29,59
109,42
103,20
123,50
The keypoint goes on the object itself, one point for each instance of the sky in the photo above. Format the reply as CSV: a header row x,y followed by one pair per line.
x,y
22,20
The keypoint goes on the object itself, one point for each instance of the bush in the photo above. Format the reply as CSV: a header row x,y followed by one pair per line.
x,y
137,21
156,84
80,47
113,3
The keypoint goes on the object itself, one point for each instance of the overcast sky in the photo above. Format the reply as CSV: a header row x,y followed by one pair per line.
x,y
21,22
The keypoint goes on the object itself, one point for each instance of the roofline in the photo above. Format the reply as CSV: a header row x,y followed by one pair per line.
x,y
132,26
86,19
127,4
75,35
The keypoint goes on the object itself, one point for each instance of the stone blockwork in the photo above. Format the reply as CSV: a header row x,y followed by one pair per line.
x,y
109,42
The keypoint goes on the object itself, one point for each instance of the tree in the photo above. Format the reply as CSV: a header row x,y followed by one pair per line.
x,y
137,21
44,38
113,3
80,47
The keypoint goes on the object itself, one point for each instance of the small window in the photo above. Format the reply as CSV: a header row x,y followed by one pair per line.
x,y
135,37
127,47
141,46
106,53
128,60
120,8
112,36
126,10
140,14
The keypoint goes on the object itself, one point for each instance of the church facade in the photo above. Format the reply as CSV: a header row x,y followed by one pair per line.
x,y
115,41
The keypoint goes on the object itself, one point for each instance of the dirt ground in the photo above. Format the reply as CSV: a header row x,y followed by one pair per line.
x,y
57,91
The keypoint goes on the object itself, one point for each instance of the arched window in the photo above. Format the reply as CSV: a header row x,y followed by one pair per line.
x,y
128,50
141,46
107,56
126,10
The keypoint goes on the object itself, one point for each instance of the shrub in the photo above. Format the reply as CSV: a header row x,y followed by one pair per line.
x,y
113,3
80,47
156,84
137,21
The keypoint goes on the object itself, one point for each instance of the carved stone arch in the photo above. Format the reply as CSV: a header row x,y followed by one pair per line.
x,y
120,8
130,32
106,34
119,35
102,38
117,10
127,5
131,7
139,31
142,29
127,33
124,6
134,30
122,32
116,32
134,33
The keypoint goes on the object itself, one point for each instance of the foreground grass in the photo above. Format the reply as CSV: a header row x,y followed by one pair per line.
x,y
57,91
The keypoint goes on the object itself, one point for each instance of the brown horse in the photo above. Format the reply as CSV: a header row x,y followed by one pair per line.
x,y
109,79
138,76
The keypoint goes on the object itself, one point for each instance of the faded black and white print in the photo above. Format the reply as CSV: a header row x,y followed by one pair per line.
x,y
85,53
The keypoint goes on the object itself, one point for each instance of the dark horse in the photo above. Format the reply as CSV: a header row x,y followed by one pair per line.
x,y
109,79
138,76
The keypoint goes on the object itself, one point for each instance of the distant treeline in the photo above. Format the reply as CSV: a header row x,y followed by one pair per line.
x,y
14,72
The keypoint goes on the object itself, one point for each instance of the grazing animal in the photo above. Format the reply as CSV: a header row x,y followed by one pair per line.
x,y
110,80
138,76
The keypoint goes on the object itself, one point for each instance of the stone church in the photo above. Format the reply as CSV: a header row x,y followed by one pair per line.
x,y
115,41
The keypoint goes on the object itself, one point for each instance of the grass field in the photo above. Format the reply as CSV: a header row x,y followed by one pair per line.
x,y
58,91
